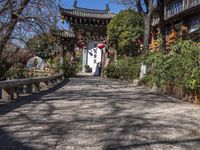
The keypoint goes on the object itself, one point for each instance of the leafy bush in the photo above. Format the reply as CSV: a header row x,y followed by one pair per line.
x,y
112,71
16,73
88,68
125,68
180,67
54,62
70,70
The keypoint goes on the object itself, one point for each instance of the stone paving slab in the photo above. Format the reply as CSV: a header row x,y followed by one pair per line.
x,y
90,113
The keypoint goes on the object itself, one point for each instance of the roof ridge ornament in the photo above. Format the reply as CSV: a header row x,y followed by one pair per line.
x,y
107,7
75,3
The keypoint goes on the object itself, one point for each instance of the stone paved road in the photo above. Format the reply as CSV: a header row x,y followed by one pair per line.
x,y
95,114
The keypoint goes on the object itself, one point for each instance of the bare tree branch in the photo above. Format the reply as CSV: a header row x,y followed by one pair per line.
x,y
139,7
34,16
10,27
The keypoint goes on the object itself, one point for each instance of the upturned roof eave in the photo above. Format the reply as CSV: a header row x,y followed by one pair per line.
x,y
90,14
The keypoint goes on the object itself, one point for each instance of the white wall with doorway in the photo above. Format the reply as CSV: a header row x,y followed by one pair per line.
x,y
94,57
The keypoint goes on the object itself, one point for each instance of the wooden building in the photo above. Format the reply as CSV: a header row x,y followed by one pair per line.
x,y
181,19
89,28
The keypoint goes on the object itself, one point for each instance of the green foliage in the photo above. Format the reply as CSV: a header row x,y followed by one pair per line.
x,y
180,67
112,71
16,71
148,80
35,62
16,74
41,45
124,29
125,68
70,70
88,68
2,73
54,61
79,61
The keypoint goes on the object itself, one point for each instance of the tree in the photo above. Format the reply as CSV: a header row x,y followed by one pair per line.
x,y
41,45
160,9
19,21
21,16
146,8
13,57
123,31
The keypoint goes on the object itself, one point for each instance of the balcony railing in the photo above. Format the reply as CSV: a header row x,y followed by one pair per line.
x,y
179,6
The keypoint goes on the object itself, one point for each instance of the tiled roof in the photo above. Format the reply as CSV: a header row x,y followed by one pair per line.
x,y
65,34
87,13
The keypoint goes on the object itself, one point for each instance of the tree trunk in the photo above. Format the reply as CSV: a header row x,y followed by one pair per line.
x,y
147,29
102,62
62,59
11,25
162,30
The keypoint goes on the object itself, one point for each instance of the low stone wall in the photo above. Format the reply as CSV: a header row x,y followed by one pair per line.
x,y
180,93
11,89
175,90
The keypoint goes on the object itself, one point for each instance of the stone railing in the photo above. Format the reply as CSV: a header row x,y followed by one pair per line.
x,y
12,88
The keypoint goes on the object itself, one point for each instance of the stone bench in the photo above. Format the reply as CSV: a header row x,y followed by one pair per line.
x,y
11,88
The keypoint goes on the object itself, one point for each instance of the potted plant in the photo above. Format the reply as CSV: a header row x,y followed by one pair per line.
x,y
88,69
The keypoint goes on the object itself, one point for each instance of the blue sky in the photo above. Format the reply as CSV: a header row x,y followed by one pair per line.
x,y
95,4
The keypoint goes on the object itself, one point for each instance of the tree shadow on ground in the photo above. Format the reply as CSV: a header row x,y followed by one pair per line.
x,y
10,143
11,105
100,114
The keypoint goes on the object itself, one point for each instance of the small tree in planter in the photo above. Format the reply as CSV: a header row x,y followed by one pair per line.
x,y
88,69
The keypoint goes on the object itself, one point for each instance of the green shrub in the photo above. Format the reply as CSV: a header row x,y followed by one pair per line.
x,y
88,68
112,71
180,67
16,73
70,70
125,68
54,62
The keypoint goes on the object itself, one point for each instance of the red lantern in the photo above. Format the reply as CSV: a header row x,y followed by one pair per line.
x,y
80,44
100,45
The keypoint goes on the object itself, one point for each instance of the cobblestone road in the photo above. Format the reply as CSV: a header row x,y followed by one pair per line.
x,y
99,114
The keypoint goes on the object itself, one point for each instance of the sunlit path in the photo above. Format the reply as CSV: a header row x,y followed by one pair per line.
x,y
99,114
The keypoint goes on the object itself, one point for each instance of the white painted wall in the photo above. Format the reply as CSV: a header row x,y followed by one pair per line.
x,y
94,57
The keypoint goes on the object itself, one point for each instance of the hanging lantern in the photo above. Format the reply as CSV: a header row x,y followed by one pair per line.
x,y
100,45
80,44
